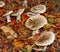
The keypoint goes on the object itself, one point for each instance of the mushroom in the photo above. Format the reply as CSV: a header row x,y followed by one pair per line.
x,y
38,9
36,22
2,4
8,15
18,14
45,39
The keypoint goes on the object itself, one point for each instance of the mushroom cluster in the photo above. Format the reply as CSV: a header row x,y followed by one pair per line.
x,y
18,14
37,21
34,23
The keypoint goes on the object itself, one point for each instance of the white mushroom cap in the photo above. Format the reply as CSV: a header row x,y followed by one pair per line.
x,y
18,14
45,39
38,9
2,3
21,11
15,14
36,22
8,13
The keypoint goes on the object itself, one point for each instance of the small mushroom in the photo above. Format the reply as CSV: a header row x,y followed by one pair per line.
x,y
18,14
8,15
45,39
2,4
36,22
38,9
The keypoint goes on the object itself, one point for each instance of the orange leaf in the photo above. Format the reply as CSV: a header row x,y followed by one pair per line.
x,y
58,36
12,23
18,43
15,28
1,12
58,24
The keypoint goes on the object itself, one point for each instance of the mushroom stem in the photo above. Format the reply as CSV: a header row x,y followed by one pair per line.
x,y
8,18
45,48
35,32
40,49
18,18
18,14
